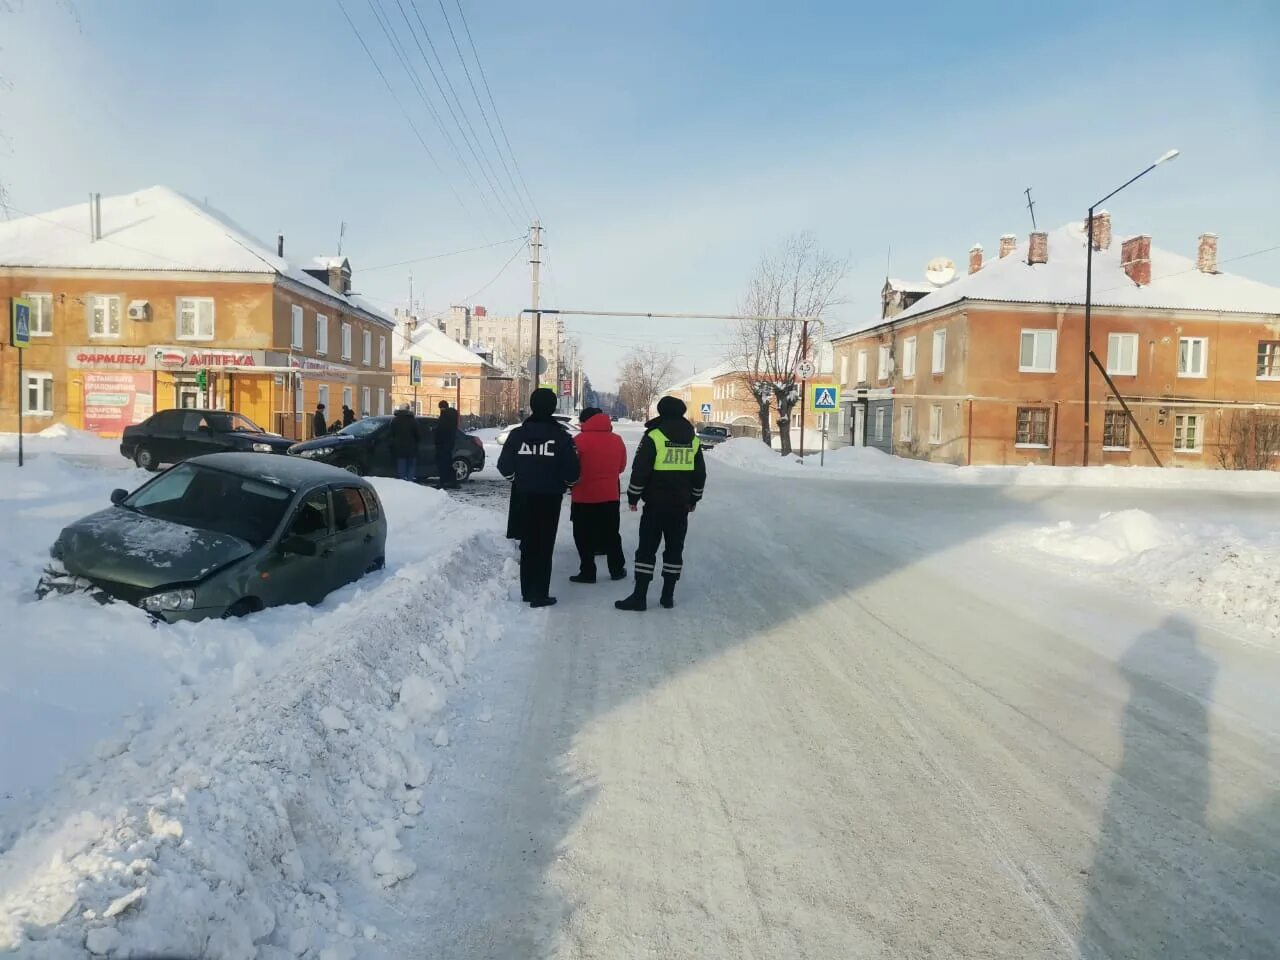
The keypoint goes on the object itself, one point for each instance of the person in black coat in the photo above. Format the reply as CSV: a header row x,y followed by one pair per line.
x,y
319,423
541,462
348,416
446,438
669,475
404,443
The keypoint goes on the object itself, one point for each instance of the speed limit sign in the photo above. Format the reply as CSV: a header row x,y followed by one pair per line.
x,y
805,369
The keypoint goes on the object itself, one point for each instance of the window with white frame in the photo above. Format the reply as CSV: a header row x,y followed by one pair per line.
x,y
295,337
322,334
346,342
862,366
41,314
1038,353
1193,355
1122,354
883,365
1269,359
322,396
195,318
347,397
880,422
907,425
844,368
908,358
382,401
1033,427
939,351
37,394
1188,432
366,339
449,380
382,352
1115,430
364,401
103,313
935,423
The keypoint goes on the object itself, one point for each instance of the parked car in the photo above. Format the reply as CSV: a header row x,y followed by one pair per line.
x,y
364,448
568,423
711,435
171,436
224,535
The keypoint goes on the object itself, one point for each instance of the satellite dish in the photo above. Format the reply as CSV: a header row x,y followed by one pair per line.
x,y
940,271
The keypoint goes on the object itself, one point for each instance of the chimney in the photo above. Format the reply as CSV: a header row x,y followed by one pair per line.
x,y
1102,230
1038,248
93,221
1135,257
975,258
1007,243
97,215
279,244
1207,254
339,279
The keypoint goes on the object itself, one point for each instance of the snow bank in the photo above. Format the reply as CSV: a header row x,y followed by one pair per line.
x,y
261,790
61,439
1219,569
872,465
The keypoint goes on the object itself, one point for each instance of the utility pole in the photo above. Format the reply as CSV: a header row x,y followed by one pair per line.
x,y
535,266
804,382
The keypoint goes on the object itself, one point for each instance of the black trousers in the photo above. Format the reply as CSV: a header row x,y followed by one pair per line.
x,y
444,466
595,530
540,515
666,525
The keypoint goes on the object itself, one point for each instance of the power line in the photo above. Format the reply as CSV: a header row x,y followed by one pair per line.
x,y
440,256
496,115
498,275
1179,273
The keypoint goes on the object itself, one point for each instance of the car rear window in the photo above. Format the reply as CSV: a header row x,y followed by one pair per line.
x,y
349,509
372,507
216,500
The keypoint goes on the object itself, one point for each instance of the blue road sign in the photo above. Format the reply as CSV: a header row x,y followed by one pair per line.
x,y
824,397
415,371
706,409
20,336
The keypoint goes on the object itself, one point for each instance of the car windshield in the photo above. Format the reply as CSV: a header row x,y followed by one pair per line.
x,y
208,499
363,428
232,422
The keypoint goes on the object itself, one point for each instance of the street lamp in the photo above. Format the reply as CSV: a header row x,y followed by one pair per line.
x,y
1088,291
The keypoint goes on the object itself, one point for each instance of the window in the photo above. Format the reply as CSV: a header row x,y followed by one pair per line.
x,y
862,366
844,368
880,423
367,342
346,341
1192,355
908,358
41,314
382,352
313,518
195,318
1122,354
373,509
295,338
907,430
382,401
322,396
1039,351
883,367
37,394
1188,432
1268,359
347,397
1033,427
939,351
935,423
449,380
322,334
349,510
104,315
1115,430
364,400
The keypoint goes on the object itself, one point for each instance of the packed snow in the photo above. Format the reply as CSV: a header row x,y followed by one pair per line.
x,y
60,439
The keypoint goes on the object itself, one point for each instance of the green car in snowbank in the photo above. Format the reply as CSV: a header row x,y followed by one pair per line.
x,y
224,535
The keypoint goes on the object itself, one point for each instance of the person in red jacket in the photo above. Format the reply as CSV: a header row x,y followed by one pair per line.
x,y
595,510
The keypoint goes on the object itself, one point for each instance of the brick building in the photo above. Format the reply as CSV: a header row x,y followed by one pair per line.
x,y
988,367
132,303
479,390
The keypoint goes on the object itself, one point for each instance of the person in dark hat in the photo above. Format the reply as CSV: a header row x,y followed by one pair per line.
x,y
446,438
319,422
669,475
602,456
541,462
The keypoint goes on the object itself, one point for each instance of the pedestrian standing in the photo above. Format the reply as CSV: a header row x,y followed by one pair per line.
x,y
348,416
446,437
319,423
668,474
541,462
405,438
596,496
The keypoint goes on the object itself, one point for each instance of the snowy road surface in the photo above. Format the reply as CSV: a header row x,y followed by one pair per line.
x,y
874,738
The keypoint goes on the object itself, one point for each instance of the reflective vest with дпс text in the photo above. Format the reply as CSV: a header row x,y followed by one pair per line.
x,y
671,456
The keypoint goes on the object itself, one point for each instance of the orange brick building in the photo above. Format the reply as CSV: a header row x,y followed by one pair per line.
x,y
480,391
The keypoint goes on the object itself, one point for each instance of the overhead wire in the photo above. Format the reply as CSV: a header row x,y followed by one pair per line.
x,y
441,256
498,275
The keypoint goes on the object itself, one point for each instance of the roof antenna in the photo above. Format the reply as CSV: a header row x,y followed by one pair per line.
x,y
342,232
888,254
1032,207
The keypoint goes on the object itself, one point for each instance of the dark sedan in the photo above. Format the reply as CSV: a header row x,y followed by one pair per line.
x,y
224,535
710,435
172,436
364,448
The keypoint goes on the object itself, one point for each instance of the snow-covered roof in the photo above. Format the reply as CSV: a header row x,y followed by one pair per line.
x,y
152,229
1176,283
702,378
912,286
325,263
432,345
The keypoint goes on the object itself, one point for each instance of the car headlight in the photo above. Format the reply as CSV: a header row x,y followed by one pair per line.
x,y
170,600
315,452
262,448
55,550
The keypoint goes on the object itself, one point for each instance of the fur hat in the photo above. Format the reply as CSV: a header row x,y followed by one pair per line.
x,y
542,402
671,407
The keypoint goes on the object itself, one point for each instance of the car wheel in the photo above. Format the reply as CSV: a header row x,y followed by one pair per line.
x,y
145,459
242,608
353,468
461,470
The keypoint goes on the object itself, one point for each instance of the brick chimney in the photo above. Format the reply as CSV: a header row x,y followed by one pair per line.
x,y
1207,253
975,258
279,244
1038,248
1135,257
1007,243
1102,230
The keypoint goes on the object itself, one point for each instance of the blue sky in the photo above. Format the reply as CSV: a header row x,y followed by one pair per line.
x,y
666,144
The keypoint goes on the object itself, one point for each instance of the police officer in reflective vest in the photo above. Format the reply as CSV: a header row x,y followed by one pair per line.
x,y
668,474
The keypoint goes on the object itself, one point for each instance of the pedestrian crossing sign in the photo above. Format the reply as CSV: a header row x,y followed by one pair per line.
x,y
20,332
824,397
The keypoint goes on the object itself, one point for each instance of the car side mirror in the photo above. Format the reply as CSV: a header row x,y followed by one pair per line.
x,y
119,496
299,546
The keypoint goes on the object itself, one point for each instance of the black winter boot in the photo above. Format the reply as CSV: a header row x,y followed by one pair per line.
x,y
639,596
668,599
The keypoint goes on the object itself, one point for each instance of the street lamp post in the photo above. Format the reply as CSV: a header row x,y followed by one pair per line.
x,y
1088,292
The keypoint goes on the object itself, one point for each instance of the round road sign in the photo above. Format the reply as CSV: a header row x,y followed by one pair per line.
x,y
805,369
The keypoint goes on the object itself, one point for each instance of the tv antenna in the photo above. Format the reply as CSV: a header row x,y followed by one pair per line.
x,y
1031,205
342,232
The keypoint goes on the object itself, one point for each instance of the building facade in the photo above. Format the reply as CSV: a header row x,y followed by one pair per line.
x,y
480,391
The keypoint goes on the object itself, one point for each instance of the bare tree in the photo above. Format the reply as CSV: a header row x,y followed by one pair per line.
x,y
1250,440
795,281
642,374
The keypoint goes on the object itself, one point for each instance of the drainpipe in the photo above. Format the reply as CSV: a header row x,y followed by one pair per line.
x,y
969,430
1053,437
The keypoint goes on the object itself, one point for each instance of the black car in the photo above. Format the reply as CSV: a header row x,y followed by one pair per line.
x,y
172,436
709,435
364,448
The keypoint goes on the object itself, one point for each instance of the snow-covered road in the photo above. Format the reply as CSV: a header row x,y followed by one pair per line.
x,y
864,732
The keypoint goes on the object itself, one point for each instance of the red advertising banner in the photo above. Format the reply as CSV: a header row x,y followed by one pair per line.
x,y
113,401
